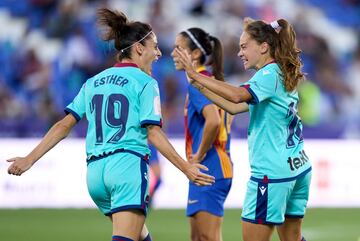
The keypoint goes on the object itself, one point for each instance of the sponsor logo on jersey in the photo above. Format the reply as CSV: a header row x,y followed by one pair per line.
x,y
266,72
262,190
297,162
190,201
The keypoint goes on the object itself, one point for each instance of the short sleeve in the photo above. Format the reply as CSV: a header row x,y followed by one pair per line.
x,y
77,106
150,105
261,86
198,100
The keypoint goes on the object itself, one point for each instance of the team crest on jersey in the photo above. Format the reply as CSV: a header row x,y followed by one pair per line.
x,y
266,72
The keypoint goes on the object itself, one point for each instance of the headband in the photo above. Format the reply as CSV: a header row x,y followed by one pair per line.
x,y
195,41
122,50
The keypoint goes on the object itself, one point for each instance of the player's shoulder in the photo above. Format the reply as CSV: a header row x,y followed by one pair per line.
x,y
206,73
272,69
268,70
141,77
269,74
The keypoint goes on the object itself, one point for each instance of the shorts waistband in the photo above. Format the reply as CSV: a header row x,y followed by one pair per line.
x,y
268,180
103,155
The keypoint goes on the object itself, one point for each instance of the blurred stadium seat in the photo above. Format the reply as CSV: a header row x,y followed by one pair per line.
x,y
48,48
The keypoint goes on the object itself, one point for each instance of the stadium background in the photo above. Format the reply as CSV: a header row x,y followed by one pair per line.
x,y
48,48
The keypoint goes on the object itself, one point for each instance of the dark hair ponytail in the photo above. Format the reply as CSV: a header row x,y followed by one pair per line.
x,y
217,59
124,32
209,46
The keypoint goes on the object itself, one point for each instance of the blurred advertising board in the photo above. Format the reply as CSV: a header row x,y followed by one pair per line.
x,y
58,180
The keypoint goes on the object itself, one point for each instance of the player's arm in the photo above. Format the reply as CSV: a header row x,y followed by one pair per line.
x,y
231,93
223,103
158,138
211,129
56,133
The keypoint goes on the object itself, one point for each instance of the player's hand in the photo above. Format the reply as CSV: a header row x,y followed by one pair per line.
x,y
196,176
19,165
185,59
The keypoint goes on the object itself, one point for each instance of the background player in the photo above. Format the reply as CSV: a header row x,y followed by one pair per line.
x,y
207,132
122,105
155,171
278,189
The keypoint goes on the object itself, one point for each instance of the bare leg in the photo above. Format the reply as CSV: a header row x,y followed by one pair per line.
x,y
128,224
206,227
290,230
256,232
144,233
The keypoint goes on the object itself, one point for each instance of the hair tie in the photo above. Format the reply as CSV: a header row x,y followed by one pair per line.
x,y
275,25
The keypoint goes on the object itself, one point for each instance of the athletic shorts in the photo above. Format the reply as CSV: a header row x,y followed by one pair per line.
x,y
119,182
270,201
208,198
154,157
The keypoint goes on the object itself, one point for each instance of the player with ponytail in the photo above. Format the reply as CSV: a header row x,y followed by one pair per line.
x,y
122,106
278,190
207,134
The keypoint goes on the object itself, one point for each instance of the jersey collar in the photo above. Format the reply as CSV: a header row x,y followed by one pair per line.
x,y
271,62
201,69
126,65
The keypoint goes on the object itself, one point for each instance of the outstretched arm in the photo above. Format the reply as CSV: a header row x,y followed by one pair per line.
x,y
158,138
57,132
231,93
223,103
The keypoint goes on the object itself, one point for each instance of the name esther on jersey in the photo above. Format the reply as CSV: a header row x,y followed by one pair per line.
x,y
111,79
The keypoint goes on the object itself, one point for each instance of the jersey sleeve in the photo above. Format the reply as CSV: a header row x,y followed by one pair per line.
x,y
197,99
261,86
150,105
77,106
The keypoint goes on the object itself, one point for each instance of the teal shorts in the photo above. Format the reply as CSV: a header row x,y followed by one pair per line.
x,y
119,182
269,201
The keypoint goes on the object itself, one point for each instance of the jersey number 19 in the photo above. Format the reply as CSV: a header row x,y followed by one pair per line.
x,y
115,116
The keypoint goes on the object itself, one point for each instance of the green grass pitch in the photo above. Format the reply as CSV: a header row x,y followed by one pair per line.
x,y
165,225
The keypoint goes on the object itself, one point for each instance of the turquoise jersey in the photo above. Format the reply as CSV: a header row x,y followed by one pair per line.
x,y
275,130
118,104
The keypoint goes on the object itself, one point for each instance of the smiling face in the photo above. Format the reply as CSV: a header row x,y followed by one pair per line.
x,y
182,42
251,52
150,52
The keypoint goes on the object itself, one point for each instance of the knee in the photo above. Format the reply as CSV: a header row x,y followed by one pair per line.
x,y
291,235
206,236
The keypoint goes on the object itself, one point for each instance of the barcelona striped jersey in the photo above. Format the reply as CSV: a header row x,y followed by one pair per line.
x,y
217,158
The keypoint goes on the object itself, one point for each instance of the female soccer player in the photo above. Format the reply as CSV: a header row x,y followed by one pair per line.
x,y
207,131
278,189
122,106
